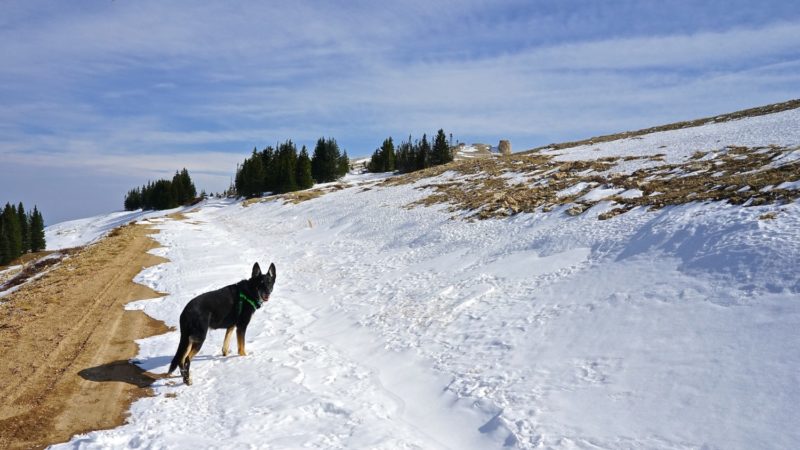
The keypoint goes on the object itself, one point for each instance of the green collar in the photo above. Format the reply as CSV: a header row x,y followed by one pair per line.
x,y
249,300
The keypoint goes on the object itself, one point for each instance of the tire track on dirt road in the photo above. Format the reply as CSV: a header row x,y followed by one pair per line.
x,y
66,341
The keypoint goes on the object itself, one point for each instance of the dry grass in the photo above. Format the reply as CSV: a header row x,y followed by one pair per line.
x,y
297,196
484,189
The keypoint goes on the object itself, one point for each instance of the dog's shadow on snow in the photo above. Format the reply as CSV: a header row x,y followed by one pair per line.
x,y
122,371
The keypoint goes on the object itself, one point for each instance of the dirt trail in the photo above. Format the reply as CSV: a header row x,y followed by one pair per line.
x,y
65,341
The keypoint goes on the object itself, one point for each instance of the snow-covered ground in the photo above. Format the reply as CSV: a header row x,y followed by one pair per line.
x,y
403,328
79,232
677,146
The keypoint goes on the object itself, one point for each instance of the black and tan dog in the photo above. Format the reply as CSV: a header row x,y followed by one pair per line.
x,y
229,307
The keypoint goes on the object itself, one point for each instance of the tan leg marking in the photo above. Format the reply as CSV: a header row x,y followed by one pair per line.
x,y
226,344
240,341
186,353
194,349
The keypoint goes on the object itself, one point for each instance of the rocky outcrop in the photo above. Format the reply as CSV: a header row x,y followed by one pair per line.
x,y
504,147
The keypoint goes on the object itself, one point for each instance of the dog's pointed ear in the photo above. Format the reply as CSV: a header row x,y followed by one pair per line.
x,y
256,270
271,271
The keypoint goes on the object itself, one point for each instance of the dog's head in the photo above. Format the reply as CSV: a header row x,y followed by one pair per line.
x,y
262,283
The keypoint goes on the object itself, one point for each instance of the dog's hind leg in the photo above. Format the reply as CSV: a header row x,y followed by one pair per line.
x,y
226,344
194,348
180,355
185,361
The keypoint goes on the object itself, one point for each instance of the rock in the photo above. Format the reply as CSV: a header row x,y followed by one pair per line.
x,y
504,147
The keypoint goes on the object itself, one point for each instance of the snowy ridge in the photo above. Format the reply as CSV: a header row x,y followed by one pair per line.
x,y
75,233
395,327
676,146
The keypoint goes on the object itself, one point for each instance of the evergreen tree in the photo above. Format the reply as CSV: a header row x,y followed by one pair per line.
x,y
12,231
441,150
37,231
133,200
177,189
269,161
24,229
406,157
5,245
188,188
388,156
286,162
325,164
383,159
423,154
163,194
303,177
343,165
375,163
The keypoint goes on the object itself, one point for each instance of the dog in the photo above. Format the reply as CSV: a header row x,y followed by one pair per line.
x,y
230,307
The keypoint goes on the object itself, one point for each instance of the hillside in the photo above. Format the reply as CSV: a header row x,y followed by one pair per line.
x,y
639,292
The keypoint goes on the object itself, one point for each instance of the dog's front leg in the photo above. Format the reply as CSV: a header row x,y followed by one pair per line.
x,y
226,344
240,339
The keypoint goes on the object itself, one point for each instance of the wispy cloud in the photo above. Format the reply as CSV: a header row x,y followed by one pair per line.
x,y
139,89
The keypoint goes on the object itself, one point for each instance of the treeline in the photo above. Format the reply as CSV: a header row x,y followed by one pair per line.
x,y
282,169
163,194
20,232
410,156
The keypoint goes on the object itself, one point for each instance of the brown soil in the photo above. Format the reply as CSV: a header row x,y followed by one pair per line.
x,y
66,341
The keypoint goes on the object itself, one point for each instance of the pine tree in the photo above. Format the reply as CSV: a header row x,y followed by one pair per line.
x,y
383,159
5,250
269,163
388,156
177,189
286,167
13,232
133,200
423,154
375,163
406,157
24,229
37,231
187,186
325,164
303,177
343,165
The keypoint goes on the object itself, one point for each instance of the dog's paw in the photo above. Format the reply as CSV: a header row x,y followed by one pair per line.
x,y
242,353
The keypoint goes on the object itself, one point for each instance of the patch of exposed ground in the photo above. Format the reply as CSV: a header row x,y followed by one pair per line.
x,y
518,183
297,196
66,342
32,265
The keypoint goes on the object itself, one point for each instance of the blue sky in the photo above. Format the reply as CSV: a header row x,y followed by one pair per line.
x,y
99,96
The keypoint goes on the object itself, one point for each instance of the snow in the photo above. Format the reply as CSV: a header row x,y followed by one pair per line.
x,y
75,233
631,193
572,190
393,328
10,269
679,145
599,193
790,185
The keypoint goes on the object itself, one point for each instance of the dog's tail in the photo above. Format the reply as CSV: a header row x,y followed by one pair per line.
x,y
182,347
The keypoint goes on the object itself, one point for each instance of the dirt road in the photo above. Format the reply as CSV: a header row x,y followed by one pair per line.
x,y
65,341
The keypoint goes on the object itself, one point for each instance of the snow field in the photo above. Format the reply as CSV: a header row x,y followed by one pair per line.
x,y
403,328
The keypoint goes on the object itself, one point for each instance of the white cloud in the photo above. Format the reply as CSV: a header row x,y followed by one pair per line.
x,y
147,88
